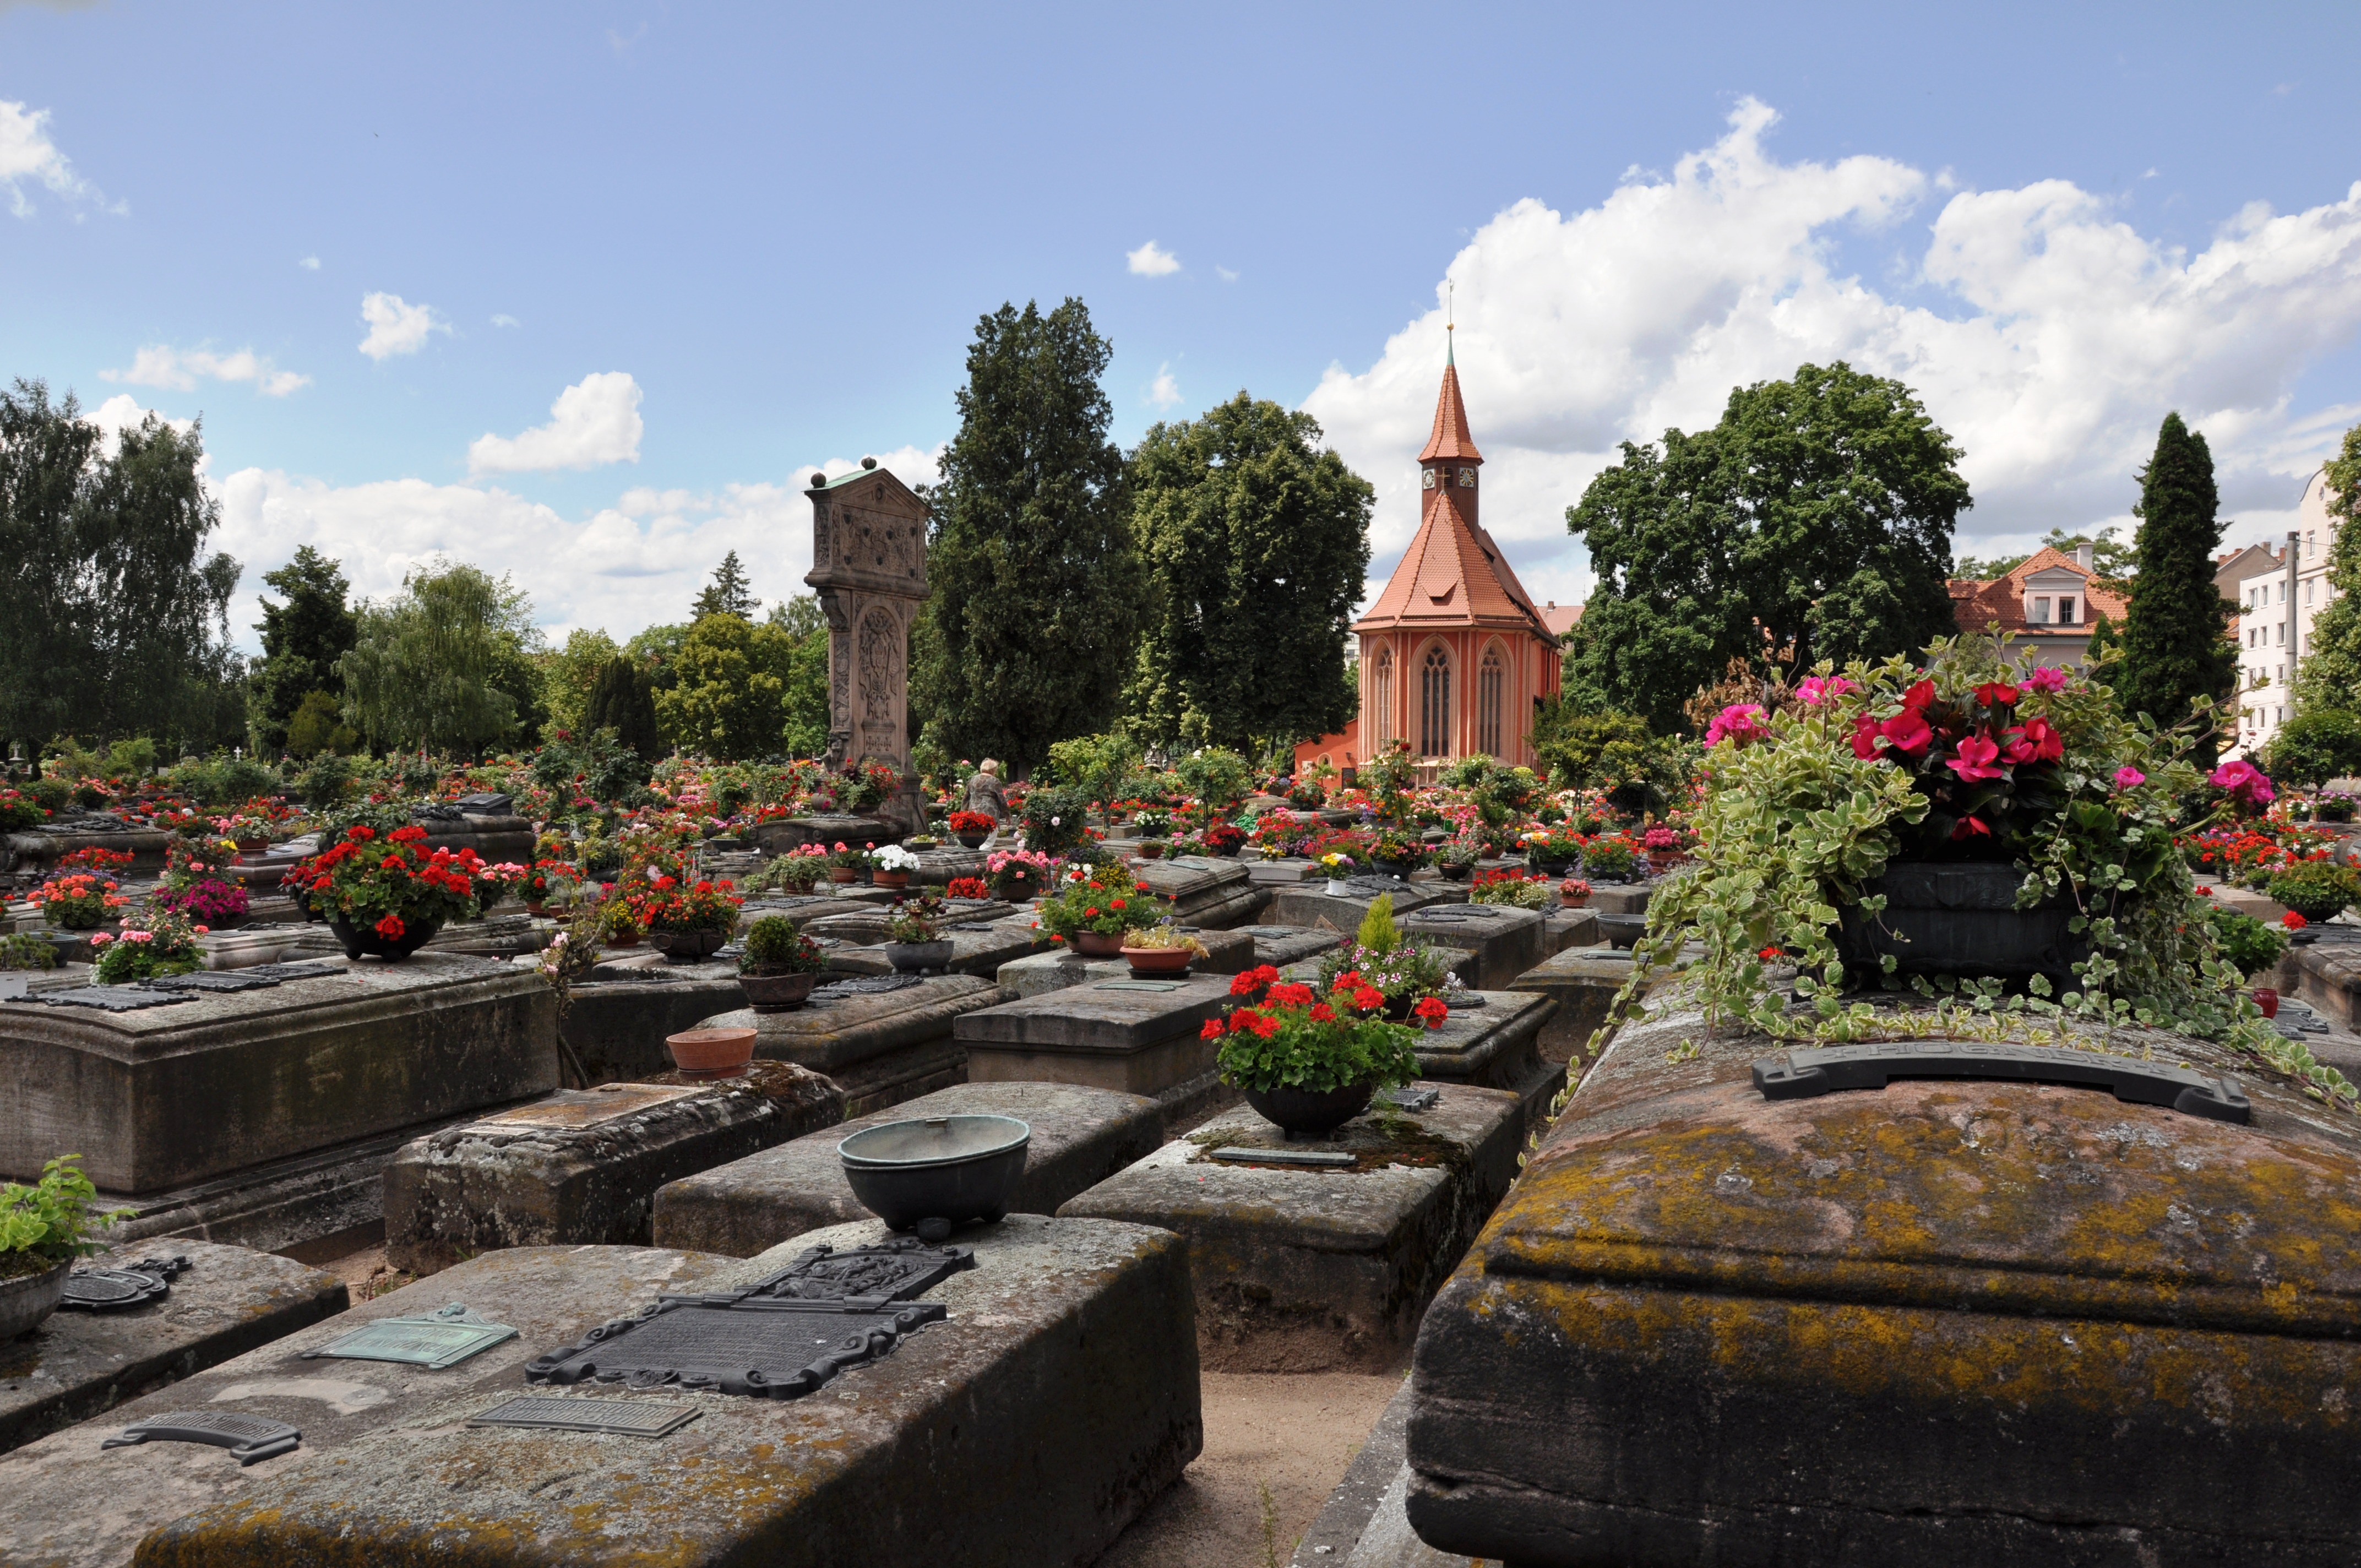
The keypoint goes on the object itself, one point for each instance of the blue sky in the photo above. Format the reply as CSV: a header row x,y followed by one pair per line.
x,y
756,240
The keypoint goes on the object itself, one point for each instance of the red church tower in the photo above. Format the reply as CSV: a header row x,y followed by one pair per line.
x,y
1454,655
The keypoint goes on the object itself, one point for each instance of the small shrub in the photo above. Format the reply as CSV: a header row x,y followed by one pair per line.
x,y
50,1222
776,945
2317,890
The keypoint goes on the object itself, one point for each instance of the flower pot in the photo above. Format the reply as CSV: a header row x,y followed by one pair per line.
x,y
896,879
1096,944
363,941
777,993
251,846
536,907
1455,873
1339,888
1961,920
973,840
906,957
1151,963
688,947
620,939
1571,899
1308,1112
711,1053
1487,853
1151,851
2268,1000
1662,861
28,1299
1397,870
842,876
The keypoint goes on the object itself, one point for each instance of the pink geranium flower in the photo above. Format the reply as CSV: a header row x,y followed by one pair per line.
x,y
2046,680
1741,722
1817,689
1908,732
2129,777
1977,758
2245,781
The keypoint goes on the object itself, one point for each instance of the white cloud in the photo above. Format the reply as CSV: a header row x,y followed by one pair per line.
x,y
594,422
1225,274
2042,331
123,411
27,157
504,319
309,264
397,326
1164,391
178,369
1152,261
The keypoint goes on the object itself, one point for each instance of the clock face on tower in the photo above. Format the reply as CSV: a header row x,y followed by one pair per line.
x,y
1467,478
1428,482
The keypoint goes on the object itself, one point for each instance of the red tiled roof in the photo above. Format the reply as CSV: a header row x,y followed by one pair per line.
x,y
1451,575
1560,618
1977,603
1451,438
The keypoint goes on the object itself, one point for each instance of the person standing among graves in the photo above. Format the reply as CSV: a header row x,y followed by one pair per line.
x,y
986,794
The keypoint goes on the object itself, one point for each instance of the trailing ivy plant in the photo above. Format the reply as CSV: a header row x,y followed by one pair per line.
x,y
1970,758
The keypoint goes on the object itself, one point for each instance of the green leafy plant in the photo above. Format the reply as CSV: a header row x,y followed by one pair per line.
x,y
2317,890
918,919
156,941
1104,900
1610,857
391,882
1055,820
1287,1036
2248,944
23,951
1515,888
775,945
51,1221
1404,971
1219,778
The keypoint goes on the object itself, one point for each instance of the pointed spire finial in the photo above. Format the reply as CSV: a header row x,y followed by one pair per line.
x,y
1450,323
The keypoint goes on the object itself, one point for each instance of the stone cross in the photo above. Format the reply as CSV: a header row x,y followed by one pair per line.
x,y
869,566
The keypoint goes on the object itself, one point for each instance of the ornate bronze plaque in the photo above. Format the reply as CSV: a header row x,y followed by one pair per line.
x,y
1137,985
864,985
620,1417
767,1348
131,1285
1805,1073
110,998
443,1338
894,1270
247,1438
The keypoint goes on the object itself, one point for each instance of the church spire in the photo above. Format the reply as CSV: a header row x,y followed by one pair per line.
x,y
1451,439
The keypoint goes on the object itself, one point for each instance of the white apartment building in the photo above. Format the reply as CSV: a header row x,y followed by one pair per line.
x,y
2276,609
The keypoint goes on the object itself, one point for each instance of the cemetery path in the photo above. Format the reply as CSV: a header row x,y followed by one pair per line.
x,y
1295,1433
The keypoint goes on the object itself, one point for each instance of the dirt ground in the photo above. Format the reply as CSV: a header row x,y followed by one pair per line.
x,y
1276,1445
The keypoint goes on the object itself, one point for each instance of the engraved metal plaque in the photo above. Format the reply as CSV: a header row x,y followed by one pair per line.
x,y
767,1348
1804,1074
587,1108
894,1270
1137,985
1463,1001
110,998
249,1438
620,1417
100,1289
215,982
296,969
1282,1156
443,1338
1414,1099
864,985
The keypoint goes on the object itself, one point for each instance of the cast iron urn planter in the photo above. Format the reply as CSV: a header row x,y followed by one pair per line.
x,y
364,942
688,947
777,993
1960,919
1311,1113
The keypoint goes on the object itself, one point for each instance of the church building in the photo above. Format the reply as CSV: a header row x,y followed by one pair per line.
x,y
1454,655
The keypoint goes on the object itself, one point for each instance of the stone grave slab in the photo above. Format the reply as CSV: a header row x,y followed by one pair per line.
x,y
1080,1136
2327,975
226,1301
1075,1333
584,1164
983,948
1310,904
1946,1283
783,834
1226,952
493,937
801,908
1505,940
881,1046
1281,872
1582,983
1206,891
1303,1268
941,866
497,837
1570,928
74,1504
167,1096
1280,946
624,1011
1139,1037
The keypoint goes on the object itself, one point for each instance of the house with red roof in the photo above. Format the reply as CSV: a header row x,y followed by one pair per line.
x,y
2051,602
1454,655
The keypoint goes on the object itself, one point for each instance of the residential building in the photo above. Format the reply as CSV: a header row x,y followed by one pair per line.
x,y
2052,603
2278,599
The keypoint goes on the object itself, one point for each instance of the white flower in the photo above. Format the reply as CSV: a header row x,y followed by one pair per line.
x,y
1057,822
894,857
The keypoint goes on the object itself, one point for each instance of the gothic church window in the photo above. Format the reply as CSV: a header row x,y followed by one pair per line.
x,y
1434,704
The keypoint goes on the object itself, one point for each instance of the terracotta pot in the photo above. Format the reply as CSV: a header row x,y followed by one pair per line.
x,y
1571,899
1310,1113
777,993
891,879
1151,851
362,941
711,1053
688,947
624,939
1487,853
536,907
251,846
1153,963
1454,873
1095,944
2268,1000
843,875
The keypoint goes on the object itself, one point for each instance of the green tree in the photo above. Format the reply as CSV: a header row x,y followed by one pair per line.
x,y
2112,562
2328,672
1037,583
2174,648
1814,522
114,621
727,594
2315,746
303,638
1255,542
622,700
805,701
436,664
570,672
317,726
730,699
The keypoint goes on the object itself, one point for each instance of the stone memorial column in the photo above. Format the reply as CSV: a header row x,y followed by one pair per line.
x,y
869,568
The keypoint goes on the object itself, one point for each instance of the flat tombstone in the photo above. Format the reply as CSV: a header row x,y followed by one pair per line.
x,y
1227,953
1080,1136
1206,891
1311,905
780,835
1570,928
1137,1036
1303,1268
225,1303
1868,1325
584,1165
621,1014
1583,983
1056,1399
1280,946
883,1041
1507,941
1281,872
222,1082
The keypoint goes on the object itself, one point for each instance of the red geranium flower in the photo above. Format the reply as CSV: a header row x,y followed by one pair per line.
x,y
1906,732
1212,1031
1997,694
392,927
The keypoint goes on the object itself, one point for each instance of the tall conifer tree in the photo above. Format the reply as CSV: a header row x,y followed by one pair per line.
x,y
1028,635
303,638
2174,648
